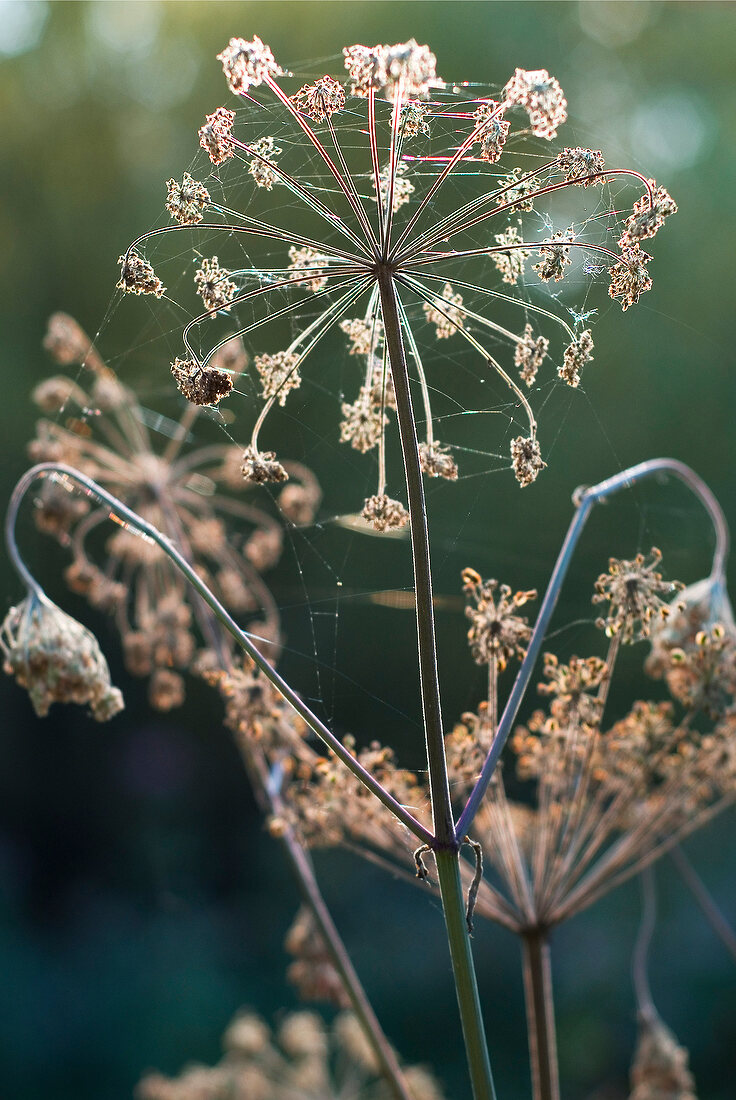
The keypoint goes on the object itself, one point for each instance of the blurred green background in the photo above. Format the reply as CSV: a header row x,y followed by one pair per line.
x,y
140,902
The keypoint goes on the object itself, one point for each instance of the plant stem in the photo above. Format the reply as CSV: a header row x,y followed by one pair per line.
x,y
540,1014
271,803
444,825
445,843
463,971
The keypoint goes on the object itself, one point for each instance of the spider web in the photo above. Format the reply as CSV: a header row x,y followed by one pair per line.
x,y
345,593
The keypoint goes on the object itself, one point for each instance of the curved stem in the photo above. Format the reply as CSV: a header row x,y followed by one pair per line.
x,y
540,1014
644,1001
130,518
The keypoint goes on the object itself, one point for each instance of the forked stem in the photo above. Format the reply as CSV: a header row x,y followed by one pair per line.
x,y
540,1014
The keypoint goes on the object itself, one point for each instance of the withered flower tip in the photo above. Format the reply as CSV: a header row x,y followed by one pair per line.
x,y
201,385
56,659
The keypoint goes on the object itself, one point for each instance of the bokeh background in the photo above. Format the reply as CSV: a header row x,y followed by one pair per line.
x,y
141,903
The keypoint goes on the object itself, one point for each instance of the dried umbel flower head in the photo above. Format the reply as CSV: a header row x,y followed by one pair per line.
x,y
356,235
56,659
137,276
193,493
279,374
660,1067
312,972
635,591
187,201
201,385
437,461
497,633
526,458
384,514
261,467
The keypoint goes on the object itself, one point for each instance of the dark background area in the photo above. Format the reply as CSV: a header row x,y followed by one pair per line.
x,y
141,903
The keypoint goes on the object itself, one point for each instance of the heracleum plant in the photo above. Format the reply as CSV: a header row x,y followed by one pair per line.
x,y
413,216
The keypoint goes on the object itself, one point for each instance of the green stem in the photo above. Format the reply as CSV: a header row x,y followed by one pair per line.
x,y
463,970
540,1014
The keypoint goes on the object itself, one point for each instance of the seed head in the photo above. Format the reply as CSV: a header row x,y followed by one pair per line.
x,y
581,166
541,96
517,188
577,354
365,336
437,461
214,285
497,633
403,188
634,590
555,257
362,422
186,200
279,374
629,277
261,467
413,120
445,315
529,354
247,64
660,1068
385,514
511,263
526,458
263,173
56,659
320,100
201,385
648,216
493,129
216,135
137,276
306,259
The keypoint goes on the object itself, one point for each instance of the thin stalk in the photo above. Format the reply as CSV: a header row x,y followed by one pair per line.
x,y
639,962
463,970
130,519
444,825
702,895
540,1014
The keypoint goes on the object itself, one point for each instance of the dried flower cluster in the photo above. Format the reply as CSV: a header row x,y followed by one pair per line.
x,y
349,239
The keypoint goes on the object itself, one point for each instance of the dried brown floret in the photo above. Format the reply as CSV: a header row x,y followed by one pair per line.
x,y
247,64
385,514
555,257
67,343
261,466
263,548
541,96
214,285
279,374
510,263
516,188
581,166
634,590
413,120
56,659
445,314
312,972
497,633
216,135
187,200
299,503
362,422
660,1067
320,100
492,129
526,458
436,460
529,354
137,276
648,216
577,354
629,277
407,64
365,336
166,690
201,385
303,260
260,168
703,675
364,65
403,188
572,686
